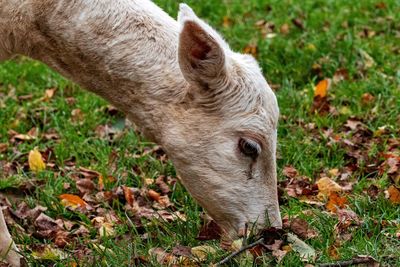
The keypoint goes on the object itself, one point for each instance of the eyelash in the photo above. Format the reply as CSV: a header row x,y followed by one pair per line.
x,y
249,148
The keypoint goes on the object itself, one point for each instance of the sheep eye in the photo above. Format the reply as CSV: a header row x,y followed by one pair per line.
x,y
249,148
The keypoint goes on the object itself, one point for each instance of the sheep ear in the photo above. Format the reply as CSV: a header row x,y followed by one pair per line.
x,y
201,53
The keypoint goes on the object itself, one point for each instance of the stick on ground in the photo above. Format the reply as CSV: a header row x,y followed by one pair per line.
x,y
244,248
354,261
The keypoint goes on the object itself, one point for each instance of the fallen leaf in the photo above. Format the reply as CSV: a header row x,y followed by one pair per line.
x,y
85,186
393,194
340,75
298,23
35,160
367,98
162,256
46,252
106,229
76,115
290,171
49,93
202,252
87,173
182,251
44,222
301,228
320,103
284,29
367,60
61,239
25,97
153,195
72,201
307,253
160,182
335,201
333,252
3,147
251,49
227,22
209,231
130,199
321,89
326,186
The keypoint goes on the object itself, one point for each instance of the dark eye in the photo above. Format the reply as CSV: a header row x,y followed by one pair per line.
x,y
249,148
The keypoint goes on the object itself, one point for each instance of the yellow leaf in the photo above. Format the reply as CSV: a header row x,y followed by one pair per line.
x,y
326,186
322,88
72,201
311,47
35,161
201,252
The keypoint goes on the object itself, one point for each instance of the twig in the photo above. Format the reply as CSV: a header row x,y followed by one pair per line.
x,y
234,254
354,261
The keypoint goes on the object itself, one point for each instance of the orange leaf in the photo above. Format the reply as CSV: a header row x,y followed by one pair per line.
x,y
153,195
130,199
333,252
322,88
251,49
335,201
101,182
394,194
73,201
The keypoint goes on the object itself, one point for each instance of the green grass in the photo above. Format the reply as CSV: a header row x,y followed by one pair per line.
x,y
287,60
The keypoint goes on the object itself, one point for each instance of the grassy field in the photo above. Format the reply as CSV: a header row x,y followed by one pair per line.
x,y
298,43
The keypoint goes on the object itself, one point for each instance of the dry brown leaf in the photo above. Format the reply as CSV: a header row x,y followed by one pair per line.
x,y
179,250
298,23
290,171
367,98
285,28
85,186
49,93
77,115
301,228
44,222
162,256
340,75
3,147
160,182
210,231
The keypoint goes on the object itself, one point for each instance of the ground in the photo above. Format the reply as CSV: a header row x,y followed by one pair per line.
x,y
349,137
